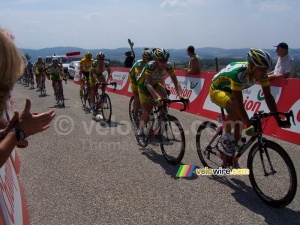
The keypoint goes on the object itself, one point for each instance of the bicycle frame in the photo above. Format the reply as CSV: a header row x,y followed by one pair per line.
x,y
259,137
162,113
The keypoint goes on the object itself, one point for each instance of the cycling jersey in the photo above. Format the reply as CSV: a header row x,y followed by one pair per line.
x,y
85,64
39,68
235,77
98,71
29,68
55,71
151,70
136,70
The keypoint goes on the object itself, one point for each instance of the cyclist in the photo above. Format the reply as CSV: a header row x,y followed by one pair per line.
x,y
134,73
151,83
38,68
55,72
226,92
29,73
85,65
96,76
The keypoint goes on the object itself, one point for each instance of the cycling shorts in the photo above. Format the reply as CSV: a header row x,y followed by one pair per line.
x,y
86,74
100,77
134,85
219,97
55,77
145,96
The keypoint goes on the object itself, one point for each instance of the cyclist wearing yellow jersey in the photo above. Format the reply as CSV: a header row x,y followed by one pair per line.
x,y
85,65
151,83
96,76
55,72
38,69
134,74
226,92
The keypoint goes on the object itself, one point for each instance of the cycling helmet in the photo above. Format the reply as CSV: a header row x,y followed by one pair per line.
x,y
40,59
259,58
55,60
88,54
147,54
100,55
161,53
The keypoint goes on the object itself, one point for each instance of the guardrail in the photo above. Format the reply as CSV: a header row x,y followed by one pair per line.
x,y
196,87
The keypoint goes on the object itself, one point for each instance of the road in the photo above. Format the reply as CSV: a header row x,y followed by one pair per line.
x,y
80,171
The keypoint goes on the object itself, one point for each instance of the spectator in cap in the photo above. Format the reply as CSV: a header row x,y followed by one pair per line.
x,y
129,60
285,63
194,64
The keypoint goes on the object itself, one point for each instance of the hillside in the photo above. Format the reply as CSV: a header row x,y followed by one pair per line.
x,y
177,55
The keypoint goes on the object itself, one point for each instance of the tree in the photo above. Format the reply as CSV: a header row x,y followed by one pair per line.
x,y
27,56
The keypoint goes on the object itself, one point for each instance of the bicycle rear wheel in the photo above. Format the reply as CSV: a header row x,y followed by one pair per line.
x,y
106,109
277,185
172,140
207,145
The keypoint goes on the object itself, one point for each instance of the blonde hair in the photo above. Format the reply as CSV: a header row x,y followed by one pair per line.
x,y
11,67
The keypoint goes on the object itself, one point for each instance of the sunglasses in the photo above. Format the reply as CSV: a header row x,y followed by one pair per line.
x,y
163,60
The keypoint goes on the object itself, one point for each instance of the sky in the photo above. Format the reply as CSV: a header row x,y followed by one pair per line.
x,y
176,24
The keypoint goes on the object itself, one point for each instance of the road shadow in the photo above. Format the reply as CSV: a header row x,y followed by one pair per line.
x,y
43,96
99,119
170,170
246,196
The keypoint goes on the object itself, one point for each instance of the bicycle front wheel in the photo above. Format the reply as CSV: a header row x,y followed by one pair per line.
x,y
272,174
131,108
106,109
172,140
207,145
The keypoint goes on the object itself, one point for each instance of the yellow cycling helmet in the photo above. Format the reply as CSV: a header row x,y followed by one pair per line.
x,y
88,54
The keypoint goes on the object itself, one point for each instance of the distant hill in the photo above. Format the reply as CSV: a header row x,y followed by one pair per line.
x,y
177,55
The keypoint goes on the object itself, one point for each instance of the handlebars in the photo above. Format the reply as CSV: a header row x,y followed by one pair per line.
x,y
103,84
185,102
287,115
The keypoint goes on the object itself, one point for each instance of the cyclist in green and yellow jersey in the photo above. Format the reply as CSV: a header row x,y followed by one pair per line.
x,y
96,76
55,72
226,92
38,69
151,83
134,73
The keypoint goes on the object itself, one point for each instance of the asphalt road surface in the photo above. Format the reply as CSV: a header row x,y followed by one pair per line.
x,y
80,171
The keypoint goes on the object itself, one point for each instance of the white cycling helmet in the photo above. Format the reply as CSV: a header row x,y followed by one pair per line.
x,y
259,58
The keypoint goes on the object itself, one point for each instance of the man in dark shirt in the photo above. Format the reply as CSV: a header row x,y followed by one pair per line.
x,y
129,61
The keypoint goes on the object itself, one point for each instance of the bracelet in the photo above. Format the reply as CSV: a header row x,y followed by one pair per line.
x,y
20,135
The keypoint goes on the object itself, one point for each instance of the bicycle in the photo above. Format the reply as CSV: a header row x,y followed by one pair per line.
x,y
167,128
59,92
85,95
30,79
131,116
103,103
266,159
42,85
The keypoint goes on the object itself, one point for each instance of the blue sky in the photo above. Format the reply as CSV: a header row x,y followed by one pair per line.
x,y
168,24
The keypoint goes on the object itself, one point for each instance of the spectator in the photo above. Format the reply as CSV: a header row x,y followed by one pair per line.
x,y
129,60
194,64
14,132
285,63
